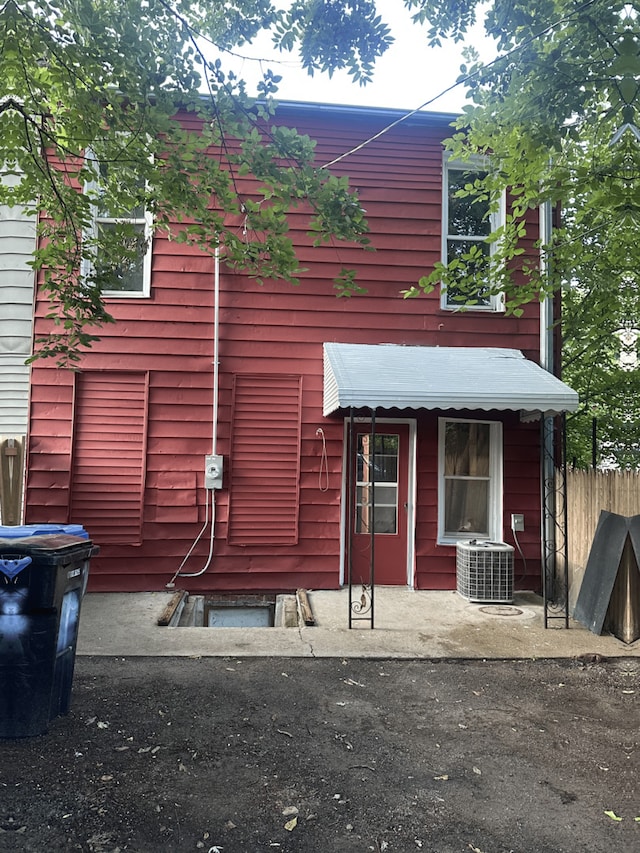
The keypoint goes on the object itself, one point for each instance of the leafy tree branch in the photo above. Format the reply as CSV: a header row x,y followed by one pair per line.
x,y
109,77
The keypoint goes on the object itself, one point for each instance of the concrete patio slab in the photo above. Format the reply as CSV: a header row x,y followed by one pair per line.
x,y
408,624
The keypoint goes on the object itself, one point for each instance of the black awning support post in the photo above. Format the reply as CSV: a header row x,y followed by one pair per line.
x,y
555,562
350,490
372,478
361,609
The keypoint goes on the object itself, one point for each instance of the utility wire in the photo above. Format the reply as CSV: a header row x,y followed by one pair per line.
x,y
549,29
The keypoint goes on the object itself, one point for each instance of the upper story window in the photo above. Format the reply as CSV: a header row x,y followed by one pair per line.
x,y
470,480
467,223
122,274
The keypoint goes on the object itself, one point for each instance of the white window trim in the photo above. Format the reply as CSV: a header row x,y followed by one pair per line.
x,y
496,220
147,220
495,514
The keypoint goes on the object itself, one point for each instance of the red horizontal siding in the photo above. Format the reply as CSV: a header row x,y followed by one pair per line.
x,y
265,456
107,481
269,330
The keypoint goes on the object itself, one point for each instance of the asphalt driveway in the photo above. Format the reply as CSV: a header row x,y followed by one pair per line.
x,y
313,755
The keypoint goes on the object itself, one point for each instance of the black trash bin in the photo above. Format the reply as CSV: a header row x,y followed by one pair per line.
x,y
43,577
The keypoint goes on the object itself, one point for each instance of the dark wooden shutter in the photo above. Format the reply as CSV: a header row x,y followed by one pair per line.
x,y
107,482
265,460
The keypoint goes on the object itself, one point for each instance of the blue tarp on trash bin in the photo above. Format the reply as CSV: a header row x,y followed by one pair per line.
x,y
25,530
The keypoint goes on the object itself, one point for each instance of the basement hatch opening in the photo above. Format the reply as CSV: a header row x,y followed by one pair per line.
x,y
210,610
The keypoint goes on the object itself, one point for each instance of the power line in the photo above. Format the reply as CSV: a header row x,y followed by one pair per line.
x,y
459,82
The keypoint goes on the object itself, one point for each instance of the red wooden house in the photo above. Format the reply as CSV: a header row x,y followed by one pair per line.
x,y
304,399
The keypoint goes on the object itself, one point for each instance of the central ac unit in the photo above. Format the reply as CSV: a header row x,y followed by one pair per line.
x,y
484,571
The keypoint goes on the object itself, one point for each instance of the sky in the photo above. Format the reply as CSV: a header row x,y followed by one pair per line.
x,y
408,75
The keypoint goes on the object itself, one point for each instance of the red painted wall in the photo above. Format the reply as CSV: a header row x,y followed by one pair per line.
x,y
280,329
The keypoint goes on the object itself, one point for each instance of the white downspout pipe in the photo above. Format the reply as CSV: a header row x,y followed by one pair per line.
x,y
216,342
210,493
546,305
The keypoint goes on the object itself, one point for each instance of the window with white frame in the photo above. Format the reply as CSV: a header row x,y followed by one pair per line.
x,y
470,480
467,223
118,273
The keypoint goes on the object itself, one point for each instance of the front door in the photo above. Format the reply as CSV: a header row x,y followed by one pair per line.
x,y
380,470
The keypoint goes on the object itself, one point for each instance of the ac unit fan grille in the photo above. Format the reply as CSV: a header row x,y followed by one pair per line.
x,y
484,572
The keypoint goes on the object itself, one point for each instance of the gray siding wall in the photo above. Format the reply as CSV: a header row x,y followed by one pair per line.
x,y
17,243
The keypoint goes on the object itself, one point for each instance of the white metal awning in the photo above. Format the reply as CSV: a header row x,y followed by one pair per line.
x,y
385,376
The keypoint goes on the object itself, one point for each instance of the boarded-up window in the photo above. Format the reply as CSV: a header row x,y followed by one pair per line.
x,y
265,460
107,478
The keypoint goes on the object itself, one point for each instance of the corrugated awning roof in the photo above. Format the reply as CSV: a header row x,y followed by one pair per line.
x,y
386,376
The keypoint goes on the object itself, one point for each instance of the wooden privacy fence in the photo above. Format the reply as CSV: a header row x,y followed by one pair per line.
x,y
588,493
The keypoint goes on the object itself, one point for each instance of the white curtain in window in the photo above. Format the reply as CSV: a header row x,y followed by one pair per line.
x,y
467,478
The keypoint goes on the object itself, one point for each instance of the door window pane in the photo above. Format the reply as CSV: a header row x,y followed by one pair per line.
x,y
377,478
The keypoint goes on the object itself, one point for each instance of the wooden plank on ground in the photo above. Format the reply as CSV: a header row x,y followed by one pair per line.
x,y
304,607
174,602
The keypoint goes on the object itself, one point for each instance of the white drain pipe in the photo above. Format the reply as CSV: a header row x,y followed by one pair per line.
x,y
216,343
210,493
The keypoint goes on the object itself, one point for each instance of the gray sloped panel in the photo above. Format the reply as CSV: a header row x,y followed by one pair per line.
x,y
634,533
602,567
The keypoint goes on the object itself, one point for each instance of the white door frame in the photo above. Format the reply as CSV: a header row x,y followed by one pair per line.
x,y
411,494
